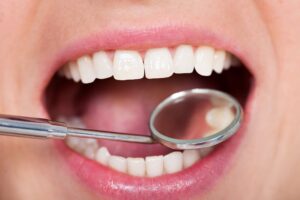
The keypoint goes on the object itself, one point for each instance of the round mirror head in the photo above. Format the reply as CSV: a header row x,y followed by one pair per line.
x,y
196,118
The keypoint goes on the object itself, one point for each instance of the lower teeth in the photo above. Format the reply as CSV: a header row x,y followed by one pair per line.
x,y
150,166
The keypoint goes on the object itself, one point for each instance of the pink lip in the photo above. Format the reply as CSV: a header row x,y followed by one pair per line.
x,y
191,182
187,183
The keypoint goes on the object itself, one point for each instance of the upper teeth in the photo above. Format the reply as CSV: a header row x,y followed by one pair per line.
x,y
157,63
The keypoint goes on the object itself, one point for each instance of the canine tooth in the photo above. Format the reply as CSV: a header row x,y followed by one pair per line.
x,y
102,156
220,117
227,62
219,59
154,165
74,71
158,63
204,57
136,166
190,157
118,163
173,162
102,65
128,65
184,59
86,71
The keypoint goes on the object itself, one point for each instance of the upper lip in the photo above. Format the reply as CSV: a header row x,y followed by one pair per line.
x,y
202,174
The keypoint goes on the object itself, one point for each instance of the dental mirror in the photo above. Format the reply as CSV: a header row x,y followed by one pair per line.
x,y
190,119
196,118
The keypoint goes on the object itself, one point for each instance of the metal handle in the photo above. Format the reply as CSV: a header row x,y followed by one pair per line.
x,y
43,128
31,127
125,137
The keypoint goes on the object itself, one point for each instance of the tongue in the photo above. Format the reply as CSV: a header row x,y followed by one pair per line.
x,y
126,106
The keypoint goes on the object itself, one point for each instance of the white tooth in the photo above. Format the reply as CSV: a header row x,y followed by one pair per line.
x,y
190,157
74,71
90,148
102,65
158,63
173,162
91,143
89,152
205,151
86,71
184,59
118,163
128,65
154,166
136,166
220,117
81,146
227,62
102,156
72,142
204,57
66,71
219,60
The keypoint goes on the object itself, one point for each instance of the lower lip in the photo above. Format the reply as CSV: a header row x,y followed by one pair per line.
x,y
192,182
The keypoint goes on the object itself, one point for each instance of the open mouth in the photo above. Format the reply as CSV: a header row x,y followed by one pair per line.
x,y
116,90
